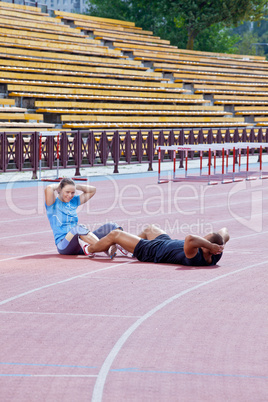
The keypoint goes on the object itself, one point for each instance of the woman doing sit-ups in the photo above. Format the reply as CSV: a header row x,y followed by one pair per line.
x,y
61,204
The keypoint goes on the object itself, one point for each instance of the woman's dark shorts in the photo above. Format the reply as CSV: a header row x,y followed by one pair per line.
x,y
73,247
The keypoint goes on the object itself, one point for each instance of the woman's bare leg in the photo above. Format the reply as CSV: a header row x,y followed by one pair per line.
x,y
151,232
124,239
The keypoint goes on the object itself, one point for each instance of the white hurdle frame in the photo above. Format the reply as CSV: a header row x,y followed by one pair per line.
x,y
48,134
224,148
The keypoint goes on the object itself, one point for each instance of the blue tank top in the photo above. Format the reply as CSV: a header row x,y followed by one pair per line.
x,y
62,217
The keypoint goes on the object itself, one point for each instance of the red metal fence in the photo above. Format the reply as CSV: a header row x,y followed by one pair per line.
x,y
19,151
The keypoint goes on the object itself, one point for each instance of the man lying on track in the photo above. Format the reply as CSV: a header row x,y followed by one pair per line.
x,y
154,245
61,205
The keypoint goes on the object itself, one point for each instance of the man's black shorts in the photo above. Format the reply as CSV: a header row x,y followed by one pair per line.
x,y
145,250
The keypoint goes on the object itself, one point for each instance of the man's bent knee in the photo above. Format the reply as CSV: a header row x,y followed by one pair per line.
x,y
148,227
153,231
151,228
114,235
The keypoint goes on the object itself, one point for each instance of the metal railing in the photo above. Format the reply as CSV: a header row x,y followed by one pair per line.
x,y
20,151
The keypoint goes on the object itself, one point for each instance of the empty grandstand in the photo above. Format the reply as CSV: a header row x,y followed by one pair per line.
x,y
79,72
76,72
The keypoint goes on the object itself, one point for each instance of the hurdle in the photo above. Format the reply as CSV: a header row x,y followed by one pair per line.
x,y
54,134
173,148
225,176
42,134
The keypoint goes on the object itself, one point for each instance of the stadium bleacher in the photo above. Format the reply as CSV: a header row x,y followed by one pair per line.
x,y
75,71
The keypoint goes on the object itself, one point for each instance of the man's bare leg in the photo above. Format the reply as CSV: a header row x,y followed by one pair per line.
x,y
124,239
151,232
90,238
224,234
84,241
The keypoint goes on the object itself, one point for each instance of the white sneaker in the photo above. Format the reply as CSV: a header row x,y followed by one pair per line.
x,y
84,247
122,252
112,251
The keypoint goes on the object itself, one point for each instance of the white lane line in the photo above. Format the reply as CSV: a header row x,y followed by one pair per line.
x,y
100,382
64,375
185,200
62,281
50,375
23,219
68,314
29,255
240,252
249,235
20,198
26,234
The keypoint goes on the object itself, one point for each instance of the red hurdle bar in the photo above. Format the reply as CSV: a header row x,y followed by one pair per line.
x,y
227,159
201,157
260,157
247,169
174,164
222,165
40,155
239,160
233,163
186,162
215,158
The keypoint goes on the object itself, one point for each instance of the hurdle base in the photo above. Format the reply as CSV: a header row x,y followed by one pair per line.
x,y
51,180
60,178
162,181
227,181
231,181
236,180
79,179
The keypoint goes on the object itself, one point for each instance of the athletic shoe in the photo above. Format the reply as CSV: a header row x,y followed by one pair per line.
x,y
121,251
84,247
112,251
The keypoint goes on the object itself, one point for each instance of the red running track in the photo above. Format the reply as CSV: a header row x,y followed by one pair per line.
x,y
75,329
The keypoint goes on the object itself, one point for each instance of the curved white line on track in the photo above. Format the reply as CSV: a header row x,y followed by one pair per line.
x,y
100,382
28,255
249,235
63,281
